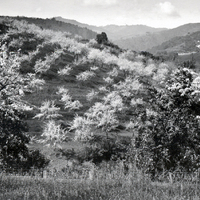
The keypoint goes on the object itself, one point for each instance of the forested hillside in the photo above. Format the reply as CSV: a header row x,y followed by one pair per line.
x,y
52,24
112,104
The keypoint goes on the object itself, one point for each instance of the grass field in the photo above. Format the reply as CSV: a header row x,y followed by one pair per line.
x,y
104,185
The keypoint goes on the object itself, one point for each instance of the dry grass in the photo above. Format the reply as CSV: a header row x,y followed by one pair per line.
x,y
103,183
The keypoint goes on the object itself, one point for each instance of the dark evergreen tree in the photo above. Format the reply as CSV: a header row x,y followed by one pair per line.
x,y
102,38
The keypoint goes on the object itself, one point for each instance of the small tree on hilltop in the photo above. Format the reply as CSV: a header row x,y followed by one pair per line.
x,y
102,38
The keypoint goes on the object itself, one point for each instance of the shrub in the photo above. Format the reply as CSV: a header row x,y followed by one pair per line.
x,y
104,149
167,136
13,149
14,152
36,160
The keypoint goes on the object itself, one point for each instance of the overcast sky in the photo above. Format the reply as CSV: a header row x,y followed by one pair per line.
x,y
155,13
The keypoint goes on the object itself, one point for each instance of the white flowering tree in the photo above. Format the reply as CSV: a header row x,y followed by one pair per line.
x,y
92,95
102,115
83,128
86,75
98,116
48,111
52,134
65,71
42,66
67,99
14,151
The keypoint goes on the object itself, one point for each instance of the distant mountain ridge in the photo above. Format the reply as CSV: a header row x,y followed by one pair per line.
x,y
150,40
181,44
145,38
115,32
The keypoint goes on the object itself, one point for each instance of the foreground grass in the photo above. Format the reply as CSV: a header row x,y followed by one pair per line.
x,y
124,187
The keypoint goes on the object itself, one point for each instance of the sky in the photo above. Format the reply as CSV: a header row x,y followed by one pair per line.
x,y
154,13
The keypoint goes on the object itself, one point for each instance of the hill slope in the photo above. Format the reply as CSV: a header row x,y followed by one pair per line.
x,y
86,72
55,25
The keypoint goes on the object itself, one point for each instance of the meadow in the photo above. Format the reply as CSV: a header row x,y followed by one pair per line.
x,y
113,185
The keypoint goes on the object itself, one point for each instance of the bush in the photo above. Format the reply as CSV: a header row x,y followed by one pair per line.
x,y
14,152
168,136
36,160
104,149
13,149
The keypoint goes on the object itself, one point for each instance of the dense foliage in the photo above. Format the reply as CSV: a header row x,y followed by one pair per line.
x,y
168,137
102,38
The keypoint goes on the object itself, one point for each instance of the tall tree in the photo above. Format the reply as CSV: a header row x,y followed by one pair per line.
x,y
102,38
13,140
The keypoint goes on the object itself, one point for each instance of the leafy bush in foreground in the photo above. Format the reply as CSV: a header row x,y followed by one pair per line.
x,y
168,134
14,152
13,141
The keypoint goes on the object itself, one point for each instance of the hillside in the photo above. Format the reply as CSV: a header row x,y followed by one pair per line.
x,y
116,32
45,52
182,44
59,60
51,54
54,25
94,103
150,40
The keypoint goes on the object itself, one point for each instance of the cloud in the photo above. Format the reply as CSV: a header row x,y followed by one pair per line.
x,y
39,9
100,2
168,9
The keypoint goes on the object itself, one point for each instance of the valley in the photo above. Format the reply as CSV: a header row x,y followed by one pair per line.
x,y
87,113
